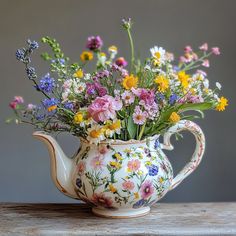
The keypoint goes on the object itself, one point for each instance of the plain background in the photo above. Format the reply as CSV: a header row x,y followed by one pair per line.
x,y
24,161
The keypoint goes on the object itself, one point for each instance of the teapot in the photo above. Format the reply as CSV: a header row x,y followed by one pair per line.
x,y
121,179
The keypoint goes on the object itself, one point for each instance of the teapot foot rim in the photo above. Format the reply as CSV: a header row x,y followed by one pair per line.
x,y
120,213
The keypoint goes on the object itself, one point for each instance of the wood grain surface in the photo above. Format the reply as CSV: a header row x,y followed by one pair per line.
x,y
77,219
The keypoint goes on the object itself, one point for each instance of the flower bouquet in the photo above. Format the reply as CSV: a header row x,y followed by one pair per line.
x,y
118,111
113,102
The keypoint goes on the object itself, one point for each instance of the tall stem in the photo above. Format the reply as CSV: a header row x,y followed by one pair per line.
x,y
132,49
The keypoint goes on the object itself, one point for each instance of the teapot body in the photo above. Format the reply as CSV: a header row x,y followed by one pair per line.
x,y
122,178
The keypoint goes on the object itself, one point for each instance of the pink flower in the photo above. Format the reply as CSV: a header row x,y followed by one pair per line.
x,y
101,200
31,107
81,167
97,162
204,47
147,189
146,96
215,50
206,63
104,108
188,49
202,73
128,97
128,185
18,99
195,99
139,116
152,110
182,59
121,62
133,165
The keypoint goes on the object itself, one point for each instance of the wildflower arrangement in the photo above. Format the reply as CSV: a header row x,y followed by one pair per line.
x,y
113,102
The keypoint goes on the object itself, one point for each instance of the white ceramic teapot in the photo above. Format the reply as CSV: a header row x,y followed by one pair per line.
x,y
121,179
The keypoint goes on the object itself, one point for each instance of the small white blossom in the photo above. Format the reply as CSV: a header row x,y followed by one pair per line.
x,y
218,85
87,76
206,83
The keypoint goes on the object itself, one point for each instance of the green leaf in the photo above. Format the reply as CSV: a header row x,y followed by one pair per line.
x,y
196,106
131,127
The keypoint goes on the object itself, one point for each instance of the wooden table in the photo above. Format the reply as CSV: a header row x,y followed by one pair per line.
x,y
76,219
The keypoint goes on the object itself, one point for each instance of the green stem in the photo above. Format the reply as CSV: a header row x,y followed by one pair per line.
x,y
132,49
141,132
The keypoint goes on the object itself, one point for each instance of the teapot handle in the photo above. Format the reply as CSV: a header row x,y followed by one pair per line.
x,y
198,153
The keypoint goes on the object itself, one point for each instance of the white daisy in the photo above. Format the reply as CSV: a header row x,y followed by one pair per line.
x,y
79,87
95,134
159,54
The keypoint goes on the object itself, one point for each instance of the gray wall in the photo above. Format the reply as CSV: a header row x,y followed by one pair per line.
x,y
24,162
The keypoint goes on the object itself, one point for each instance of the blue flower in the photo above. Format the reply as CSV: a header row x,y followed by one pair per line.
x,y
157,144
31,72
59,60
51,105
79,183
47,84
173,98
20,55
153,170
69,105
176,68
48,102
160,96
139,203
32,44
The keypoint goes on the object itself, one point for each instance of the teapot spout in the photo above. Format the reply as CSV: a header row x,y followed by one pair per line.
x,y
61,165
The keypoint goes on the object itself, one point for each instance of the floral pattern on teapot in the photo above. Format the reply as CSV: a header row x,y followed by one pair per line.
x,y
128,175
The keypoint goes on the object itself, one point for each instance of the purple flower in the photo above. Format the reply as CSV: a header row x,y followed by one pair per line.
x,y
173,98
47,84
94,43
69,105
96,88
39,112
101,74
147,189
